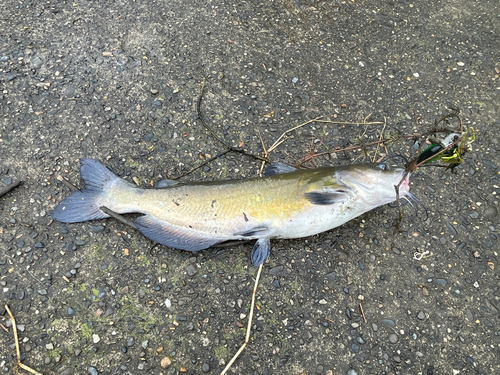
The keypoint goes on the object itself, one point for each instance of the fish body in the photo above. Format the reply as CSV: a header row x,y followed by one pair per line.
x,y
288,203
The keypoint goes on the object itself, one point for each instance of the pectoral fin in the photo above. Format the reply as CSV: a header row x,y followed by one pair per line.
x,y
328,196
169,235
260,251
252,232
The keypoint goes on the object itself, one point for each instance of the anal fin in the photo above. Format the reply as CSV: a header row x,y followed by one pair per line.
x,y
177,237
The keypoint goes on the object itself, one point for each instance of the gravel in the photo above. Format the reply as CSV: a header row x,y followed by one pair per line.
x,y
120,82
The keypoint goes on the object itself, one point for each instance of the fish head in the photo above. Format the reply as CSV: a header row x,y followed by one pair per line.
x,y
374,183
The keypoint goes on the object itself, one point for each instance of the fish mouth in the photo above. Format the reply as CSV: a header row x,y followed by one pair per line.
x,y
405,185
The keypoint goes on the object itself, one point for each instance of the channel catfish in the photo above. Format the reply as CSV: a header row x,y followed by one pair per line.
x,y
286,203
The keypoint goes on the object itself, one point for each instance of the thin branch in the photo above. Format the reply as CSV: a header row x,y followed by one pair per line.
x,y
9,187
249,327
14,328
66,183
203,164
351,123
217,137
362,312
379,138
117,216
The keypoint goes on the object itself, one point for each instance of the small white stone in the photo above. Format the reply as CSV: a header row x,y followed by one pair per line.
x,y
323,302
416,75
168,303
95,338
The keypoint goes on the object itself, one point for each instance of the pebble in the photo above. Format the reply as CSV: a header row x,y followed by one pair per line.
x,y
441,281
95,338
69,91
276,283
331,276
71,312
165,362
421,315
205,367
490,212
96,228
109,312
352,372
451,229
130,342
283,361
389,322
474,214
191,270
319,369
154,91
393,338
275,270
37,62
92,370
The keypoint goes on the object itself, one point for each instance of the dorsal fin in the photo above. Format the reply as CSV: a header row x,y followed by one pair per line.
x,y
166,183
278,168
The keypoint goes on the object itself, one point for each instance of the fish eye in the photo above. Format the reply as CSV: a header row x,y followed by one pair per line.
x,y
383,166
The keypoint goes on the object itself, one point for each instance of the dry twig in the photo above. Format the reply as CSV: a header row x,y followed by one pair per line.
x,y
362,312
68,184
249,327
14,328
9,187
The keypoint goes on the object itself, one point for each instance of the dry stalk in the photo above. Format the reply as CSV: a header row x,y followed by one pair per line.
x,y
14,329
249,327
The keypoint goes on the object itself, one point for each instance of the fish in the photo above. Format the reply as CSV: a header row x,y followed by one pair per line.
x,y
286,203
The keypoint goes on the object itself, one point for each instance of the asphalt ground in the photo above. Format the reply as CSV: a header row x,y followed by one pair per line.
x,y
120,81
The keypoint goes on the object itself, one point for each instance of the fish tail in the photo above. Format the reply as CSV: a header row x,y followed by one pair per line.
x,y
84,204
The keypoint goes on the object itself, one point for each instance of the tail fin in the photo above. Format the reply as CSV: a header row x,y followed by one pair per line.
x,y
84,204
